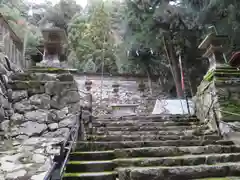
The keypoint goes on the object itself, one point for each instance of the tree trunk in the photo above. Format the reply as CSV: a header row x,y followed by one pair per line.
x,y
174,66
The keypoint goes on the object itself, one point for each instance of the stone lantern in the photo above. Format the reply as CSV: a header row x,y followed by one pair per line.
x,y
88,85
55,41
115,87
141,87
215,46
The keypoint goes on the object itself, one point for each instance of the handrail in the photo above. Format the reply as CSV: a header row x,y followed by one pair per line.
x,y
74,138
61,160
50,172
223,111
73,135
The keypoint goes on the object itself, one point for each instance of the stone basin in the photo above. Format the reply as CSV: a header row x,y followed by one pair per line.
x,y
123,109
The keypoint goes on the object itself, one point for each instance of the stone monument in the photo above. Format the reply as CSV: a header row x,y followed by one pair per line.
x,y
54,41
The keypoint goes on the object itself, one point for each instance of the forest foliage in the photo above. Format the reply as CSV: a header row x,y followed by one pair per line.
x,y
105,35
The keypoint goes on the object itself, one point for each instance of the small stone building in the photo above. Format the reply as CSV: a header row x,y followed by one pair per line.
x,y
11,44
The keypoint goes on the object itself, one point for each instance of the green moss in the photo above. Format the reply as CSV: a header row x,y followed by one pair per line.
x,y
231,105
88,162
92,152
227,72
221,178
89,174
209,76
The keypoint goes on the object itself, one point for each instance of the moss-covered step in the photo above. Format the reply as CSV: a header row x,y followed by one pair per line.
x,y
50,70
174,151
26,76
185,160
139,133
180,172
111,145
25,85
90,176
148,128
159,118
90,166
143,123
92,155
221,178
151,137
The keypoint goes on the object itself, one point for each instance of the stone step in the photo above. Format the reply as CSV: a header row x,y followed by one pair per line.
x,y
185,160
150,137
143,123
110,145
90,166
180,172
26,85
149,128
139,133
222,178
91,155
90,176
174,151
160,118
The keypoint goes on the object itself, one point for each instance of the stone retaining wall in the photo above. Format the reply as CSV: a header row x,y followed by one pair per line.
x,y
217,100
37,112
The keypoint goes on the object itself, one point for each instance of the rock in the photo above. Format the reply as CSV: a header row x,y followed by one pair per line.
x,y
3,70
52,150
22,137
45,77
40,116
53,126
19,95
39,176
3,89
58,88
16,174
70,97
38,158
4,102
41,100
74,108
9,112
65,77
30,128
5,125
68,122
10,166
60,132
17,117
46,166
56,104
23,106
2,113
61,114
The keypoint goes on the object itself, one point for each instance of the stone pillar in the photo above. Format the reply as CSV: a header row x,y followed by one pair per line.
x,y
115,91
88,85
141,88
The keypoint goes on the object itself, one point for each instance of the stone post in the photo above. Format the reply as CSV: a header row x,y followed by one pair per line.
x,y
141,88
215,46
88,85
115,91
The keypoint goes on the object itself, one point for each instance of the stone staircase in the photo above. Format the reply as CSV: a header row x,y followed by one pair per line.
x,y
153,148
